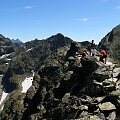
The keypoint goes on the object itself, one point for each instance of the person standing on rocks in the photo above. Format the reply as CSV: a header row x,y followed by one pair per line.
x,y
90,46
93,51
103,56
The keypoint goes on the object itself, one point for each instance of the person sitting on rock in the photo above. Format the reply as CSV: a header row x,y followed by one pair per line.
x,y
84,55
103,56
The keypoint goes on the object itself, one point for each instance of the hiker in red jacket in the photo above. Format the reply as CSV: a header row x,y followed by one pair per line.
x,y
103,56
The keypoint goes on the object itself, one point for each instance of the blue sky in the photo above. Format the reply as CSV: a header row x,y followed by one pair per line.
x,y
78,19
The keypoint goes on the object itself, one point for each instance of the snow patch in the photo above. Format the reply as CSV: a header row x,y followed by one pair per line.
x,y
2,108
9,59
26,84
3,56
2,101
4,95
29,49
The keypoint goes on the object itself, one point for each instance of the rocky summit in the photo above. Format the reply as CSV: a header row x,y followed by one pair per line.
x,y
65,85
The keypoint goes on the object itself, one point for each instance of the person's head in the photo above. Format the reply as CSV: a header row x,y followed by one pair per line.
x,y
92,41
102,51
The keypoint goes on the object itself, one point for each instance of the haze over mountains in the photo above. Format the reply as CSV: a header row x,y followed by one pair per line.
x,y
63,87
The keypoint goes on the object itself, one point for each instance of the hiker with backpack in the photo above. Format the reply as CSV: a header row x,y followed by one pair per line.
x,y
103,56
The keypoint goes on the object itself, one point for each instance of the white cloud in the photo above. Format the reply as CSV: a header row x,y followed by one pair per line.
x,y
23,8
118,7
28,7
84,19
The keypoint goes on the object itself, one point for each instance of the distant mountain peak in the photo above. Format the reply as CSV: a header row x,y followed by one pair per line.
x,y
1,37
17,41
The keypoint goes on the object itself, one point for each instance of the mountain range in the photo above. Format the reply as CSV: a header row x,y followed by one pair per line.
x,y
63,87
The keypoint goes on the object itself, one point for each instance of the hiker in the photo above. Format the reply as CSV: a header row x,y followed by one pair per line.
x,y
103,56
83,53
93,51
90,46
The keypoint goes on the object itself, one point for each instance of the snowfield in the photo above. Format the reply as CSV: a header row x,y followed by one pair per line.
x,y
4,95
27,83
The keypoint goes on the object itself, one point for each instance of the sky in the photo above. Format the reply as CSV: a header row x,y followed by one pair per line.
x,y
79,20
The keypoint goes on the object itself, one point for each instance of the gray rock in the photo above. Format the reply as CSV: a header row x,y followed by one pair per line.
x,y
68,75
111,116
116,72
94,117
100,99
107,106
84,116
65,98
83,107
102,73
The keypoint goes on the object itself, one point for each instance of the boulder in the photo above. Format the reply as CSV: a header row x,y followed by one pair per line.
x,y
107,106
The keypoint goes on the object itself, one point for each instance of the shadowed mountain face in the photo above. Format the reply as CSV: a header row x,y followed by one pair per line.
x,y
111,43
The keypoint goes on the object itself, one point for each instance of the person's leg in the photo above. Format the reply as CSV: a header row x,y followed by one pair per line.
x,y
105,58
92,55
101,59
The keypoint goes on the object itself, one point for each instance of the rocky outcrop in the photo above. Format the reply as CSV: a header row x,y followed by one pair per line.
x,y
111,43
7,46
36,53
68,88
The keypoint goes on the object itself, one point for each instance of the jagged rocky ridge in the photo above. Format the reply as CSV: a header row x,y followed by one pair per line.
x,y
111,43
65,89
36,54
7,46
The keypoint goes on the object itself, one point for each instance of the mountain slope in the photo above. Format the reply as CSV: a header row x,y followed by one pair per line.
x,y
111,43
64,86
7,46
35,55
62,89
